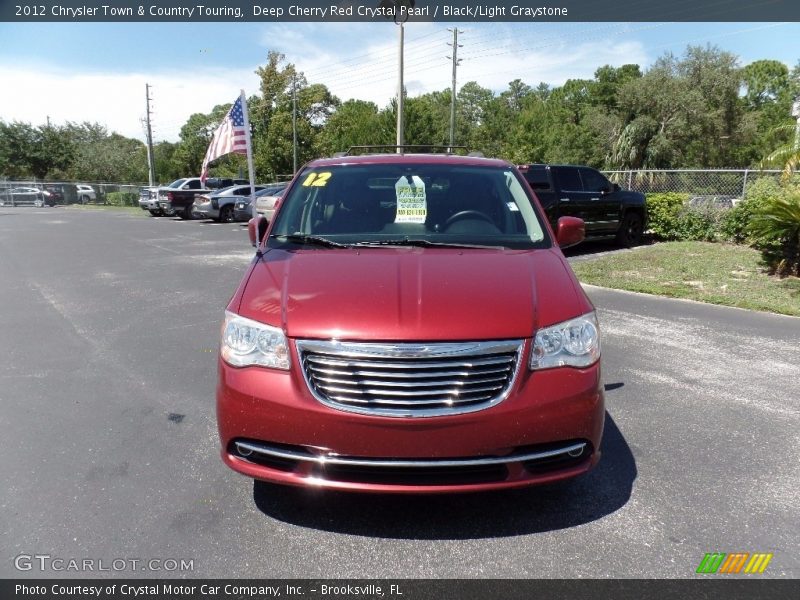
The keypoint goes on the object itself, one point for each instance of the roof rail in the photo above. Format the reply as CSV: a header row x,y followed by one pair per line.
x,y
402,149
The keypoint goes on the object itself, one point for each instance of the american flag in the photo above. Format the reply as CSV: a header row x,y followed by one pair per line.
x,y
230,136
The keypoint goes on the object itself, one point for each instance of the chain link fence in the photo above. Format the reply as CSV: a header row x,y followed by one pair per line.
x,y
37,192
730,184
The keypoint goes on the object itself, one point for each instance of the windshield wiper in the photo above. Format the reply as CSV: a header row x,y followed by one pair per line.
x,y
424,244
313,240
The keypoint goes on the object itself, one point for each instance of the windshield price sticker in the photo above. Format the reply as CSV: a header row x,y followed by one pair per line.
x,y
412,205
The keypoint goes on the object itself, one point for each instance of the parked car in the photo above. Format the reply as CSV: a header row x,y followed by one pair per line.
x,y
267,204
410,324
577,191
148,200
270,194
178,197
713,202
26,195
218,183
220,205
56,191
85,193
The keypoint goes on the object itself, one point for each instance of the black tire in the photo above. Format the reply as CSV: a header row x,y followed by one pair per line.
x,y
155,213
226,214
630,230
186,213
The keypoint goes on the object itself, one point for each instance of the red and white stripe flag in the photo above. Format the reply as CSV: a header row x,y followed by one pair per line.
x,y
230,137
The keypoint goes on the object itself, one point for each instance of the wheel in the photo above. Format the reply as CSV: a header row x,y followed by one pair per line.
x,y
226,214
631,230
468,214
155,213
84,199
186,213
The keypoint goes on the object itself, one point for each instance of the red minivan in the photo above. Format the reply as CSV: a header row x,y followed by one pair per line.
x,y
410,324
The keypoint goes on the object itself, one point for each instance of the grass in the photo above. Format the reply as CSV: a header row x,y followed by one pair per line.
x,y
716,273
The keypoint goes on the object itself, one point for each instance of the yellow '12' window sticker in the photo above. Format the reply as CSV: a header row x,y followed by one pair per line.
x,y
317,179
412,204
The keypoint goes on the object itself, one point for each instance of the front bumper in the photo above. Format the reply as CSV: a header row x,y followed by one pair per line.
x,y
272,428
242,214
149,205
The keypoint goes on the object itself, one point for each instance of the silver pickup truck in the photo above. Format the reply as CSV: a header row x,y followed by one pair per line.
x,y
148,200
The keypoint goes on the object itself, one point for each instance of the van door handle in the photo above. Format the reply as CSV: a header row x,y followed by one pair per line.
x,y
564,199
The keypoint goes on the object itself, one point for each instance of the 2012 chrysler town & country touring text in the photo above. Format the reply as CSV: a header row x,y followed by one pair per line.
x,y
410,324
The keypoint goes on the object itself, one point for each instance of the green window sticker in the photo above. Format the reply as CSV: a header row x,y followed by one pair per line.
x,y
412,206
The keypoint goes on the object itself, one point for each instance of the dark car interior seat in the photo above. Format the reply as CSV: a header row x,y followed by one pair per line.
x,y
349,208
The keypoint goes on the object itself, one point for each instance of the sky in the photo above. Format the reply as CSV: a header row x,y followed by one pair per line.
x,y
97,71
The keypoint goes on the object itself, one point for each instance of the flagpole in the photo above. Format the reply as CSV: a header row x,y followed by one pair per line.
x,y
250,169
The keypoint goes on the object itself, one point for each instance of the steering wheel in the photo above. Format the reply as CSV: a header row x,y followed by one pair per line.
x,y
468,214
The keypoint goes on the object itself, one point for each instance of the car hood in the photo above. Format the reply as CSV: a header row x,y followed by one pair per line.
x,y
411,293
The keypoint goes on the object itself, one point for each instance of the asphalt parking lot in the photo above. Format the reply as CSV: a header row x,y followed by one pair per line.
x,y
109,323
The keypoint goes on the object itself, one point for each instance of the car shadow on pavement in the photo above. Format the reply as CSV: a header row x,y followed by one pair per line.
x,y
600,492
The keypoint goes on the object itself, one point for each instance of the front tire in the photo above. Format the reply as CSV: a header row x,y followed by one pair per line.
x,y
631,230
226,214
155,213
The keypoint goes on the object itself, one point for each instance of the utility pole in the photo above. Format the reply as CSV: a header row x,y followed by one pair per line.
x,y
151,165
294,122
400,123
456,62
796,115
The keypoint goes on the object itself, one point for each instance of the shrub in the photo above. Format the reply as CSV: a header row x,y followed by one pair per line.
x,y
775,230
700,224
664,213
671,219
734,224
122,199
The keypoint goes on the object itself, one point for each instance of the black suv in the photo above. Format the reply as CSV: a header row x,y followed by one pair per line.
x,y
577,191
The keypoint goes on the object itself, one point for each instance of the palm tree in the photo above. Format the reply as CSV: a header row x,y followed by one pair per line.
x,y
788,154
776,229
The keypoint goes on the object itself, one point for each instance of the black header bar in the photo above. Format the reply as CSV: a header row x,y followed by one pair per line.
x,y
513,11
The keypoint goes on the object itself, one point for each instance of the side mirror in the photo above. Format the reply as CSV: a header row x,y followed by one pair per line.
x,y
258,224
571,231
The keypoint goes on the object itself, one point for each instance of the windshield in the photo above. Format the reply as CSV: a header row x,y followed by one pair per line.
x,y
426,204
177,183
271,190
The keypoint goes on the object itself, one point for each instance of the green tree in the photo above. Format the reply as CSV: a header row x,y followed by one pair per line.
x,y
354,123
272,117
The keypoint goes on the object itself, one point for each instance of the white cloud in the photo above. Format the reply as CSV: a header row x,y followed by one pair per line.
x,y
353,61
117,100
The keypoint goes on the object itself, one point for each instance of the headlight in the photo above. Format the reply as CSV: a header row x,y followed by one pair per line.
x,y
573,343
246,342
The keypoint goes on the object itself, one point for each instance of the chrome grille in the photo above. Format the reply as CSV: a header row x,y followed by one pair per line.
x,y
410,380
